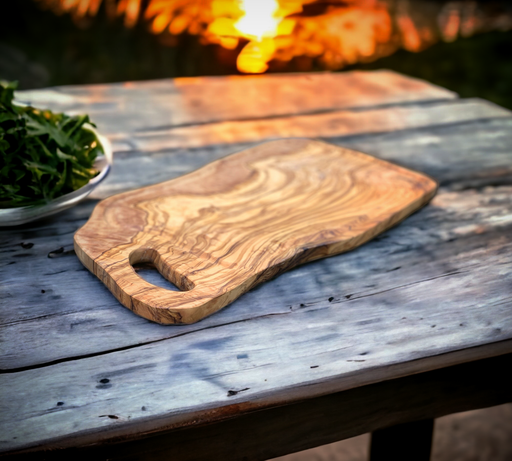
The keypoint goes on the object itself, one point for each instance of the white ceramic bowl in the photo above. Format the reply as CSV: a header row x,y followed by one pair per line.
x,y
22,215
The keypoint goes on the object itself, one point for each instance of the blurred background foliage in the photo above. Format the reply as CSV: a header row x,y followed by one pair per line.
x,y
39,49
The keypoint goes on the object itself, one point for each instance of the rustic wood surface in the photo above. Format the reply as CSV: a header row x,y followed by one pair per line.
x,y
77,368
264,434
237,222
148,106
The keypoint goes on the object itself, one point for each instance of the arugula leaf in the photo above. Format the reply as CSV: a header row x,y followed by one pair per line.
x,y
43,155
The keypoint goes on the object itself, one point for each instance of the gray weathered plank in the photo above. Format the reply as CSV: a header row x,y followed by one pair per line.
x,y
139,106
447,153
298,341
458,224
324,125
274,431
452,154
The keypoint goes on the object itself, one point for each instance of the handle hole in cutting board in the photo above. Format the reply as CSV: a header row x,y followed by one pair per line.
x,y
148,265
150,274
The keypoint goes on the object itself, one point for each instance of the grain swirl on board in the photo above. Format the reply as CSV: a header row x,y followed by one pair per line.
x,y
217,232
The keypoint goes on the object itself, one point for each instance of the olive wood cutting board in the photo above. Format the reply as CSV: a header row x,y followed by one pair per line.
x,y
219,231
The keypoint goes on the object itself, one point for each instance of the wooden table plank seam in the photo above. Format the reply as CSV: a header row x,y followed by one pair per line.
x,y
323,111
335,123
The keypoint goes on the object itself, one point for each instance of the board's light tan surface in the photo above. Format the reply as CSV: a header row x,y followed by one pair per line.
x,y
219,231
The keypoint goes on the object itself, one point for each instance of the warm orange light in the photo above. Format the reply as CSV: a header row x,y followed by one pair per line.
x,y
259,19
449,23
333,33
258,24
255,55
130,9
261,22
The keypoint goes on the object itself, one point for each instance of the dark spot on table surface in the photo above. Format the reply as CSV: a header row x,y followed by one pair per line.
x,y
62,251
242,356
314,366
83,322
363,353
302,305
27,245
348,296
233,392
59,404
109,416
143,408
43,291
461,324
104,384
331,299
212,343
432,326
368,322
394,269
356,360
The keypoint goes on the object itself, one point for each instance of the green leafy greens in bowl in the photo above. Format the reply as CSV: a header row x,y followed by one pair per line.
x,y
43,155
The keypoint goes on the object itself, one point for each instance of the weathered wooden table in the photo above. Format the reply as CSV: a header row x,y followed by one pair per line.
x,y
414,325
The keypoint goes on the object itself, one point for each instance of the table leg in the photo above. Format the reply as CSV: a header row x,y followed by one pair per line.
x,y
404,442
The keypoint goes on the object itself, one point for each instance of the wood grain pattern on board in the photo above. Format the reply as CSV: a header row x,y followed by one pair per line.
x,y
239,221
